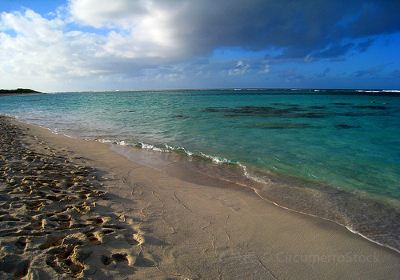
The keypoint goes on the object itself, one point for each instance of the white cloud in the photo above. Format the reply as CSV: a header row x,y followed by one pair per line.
x,y
132,40
198,27
103,13
40,47
139,28
33,47
240,68
266,69
96,42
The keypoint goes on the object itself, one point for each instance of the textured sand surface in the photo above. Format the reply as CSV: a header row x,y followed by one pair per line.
x,y
55,216
92,213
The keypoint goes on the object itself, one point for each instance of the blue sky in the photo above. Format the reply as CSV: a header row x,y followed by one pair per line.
x,y
155,44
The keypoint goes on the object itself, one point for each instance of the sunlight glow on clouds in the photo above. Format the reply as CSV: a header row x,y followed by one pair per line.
x,y
138,28
42,48
99,44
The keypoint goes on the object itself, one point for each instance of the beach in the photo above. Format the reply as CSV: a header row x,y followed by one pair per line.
x,y
199,139
73,208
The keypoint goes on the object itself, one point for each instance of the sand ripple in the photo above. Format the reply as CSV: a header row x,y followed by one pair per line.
x,y
52,220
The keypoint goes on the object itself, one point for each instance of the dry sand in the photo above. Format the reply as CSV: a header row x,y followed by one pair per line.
x,y
92,213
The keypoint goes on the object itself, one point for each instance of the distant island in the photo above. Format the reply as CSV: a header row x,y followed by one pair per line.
x,y
18,91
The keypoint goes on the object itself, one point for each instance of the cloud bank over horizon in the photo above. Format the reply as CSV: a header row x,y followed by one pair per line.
x,y
122,44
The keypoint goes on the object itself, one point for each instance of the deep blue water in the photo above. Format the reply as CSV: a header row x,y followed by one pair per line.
x,y
344,140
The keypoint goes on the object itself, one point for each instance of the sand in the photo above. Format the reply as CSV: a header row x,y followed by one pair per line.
x,y
71,208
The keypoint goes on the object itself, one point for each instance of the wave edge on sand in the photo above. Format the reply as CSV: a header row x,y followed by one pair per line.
x,y
257,184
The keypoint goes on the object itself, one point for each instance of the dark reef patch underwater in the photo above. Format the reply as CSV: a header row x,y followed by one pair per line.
x,y
297,111
343,141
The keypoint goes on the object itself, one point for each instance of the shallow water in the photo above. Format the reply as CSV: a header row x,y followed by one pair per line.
x,y
343,144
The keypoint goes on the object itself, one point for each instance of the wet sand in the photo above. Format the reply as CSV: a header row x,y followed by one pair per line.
x,y
72,208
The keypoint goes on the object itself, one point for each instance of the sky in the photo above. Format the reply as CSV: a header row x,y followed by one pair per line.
x,y
79,45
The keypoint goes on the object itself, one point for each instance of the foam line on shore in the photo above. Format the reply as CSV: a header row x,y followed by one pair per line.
x,y
215,160
222,161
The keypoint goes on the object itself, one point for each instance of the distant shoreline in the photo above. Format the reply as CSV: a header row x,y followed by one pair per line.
x,y
18,91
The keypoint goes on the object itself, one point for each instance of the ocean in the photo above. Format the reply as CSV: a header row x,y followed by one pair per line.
x,y
334,154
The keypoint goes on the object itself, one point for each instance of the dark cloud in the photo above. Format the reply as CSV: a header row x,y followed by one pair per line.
x,y
334,51
153,42
375,17
298,27
363,46
322,29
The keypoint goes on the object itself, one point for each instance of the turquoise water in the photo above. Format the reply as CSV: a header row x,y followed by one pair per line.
x,y
339,140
